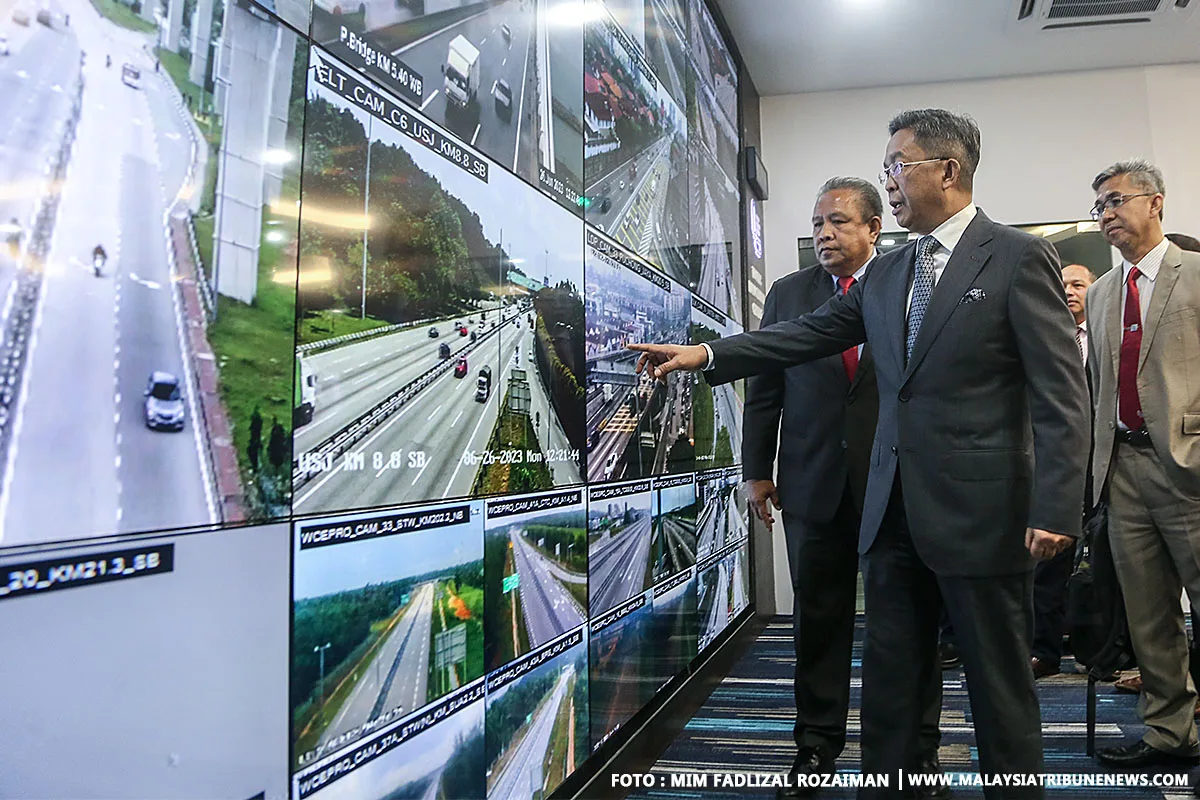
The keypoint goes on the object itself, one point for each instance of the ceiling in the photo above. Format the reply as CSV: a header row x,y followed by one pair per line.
x,y
794,46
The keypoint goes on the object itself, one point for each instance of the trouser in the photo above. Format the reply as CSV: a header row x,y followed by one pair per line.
x,y
823,557
1155,533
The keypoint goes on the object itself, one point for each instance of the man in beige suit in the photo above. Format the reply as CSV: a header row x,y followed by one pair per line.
x,y
1144,359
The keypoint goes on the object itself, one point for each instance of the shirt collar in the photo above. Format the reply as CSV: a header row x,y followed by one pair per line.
x,y
1150,262
950,231
858,273
1082,326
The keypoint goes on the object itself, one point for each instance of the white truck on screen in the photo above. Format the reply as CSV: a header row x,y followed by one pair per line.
x,y
462,73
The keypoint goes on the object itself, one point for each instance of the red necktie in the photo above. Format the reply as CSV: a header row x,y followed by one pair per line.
x,y
850,355
1129,410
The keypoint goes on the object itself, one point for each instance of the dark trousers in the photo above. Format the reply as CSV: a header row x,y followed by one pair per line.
x,y
992,619
823,557
1050,605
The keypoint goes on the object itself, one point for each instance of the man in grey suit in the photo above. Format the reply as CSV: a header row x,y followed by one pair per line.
x,y
828,408
979,454
1145,369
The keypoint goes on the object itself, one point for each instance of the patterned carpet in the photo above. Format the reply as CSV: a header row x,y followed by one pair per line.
x,y
746,725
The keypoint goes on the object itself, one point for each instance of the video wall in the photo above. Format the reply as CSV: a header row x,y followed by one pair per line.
x,y
314,390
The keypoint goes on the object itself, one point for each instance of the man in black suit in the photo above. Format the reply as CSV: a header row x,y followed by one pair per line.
x,y
828,409
979,455
1050,577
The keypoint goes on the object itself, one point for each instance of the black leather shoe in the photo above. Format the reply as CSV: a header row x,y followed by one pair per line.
x,y
1041,668
930,765
949,655
1140,754
809,761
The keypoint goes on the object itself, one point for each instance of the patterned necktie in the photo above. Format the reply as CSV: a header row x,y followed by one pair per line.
x,y
922,290
850,354
1129,411
1079,342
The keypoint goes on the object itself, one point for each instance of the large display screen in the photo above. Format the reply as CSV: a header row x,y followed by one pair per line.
x,y
318,431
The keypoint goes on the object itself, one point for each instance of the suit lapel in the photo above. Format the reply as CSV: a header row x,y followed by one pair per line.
x,y
895,294
965,263
822,289
1116,310
1168,273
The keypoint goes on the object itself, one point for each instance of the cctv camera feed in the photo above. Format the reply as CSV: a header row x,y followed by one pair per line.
x,y
716,410
724,590
387,618
673,546
137,672
149,218
618,646
713,145
535,563
619,537
502,75
724,512
671,642
635,128
637,426
456,367
437,752
537,720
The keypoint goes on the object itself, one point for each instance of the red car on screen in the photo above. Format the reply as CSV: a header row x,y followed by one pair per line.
x,y
462,331
460,369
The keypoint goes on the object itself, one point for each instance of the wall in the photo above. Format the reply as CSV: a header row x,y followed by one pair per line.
x,y
1044,138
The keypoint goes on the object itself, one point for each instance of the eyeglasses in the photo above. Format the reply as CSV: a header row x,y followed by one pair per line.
x,y
895,168
1115,201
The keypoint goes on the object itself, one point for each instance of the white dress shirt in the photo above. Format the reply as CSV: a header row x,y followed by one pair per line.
x,y
1148,266
948,235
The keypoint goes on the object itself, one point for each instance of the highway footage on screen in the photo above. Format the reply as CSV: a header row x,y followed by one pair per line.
x,y
716,410
148,300
456,368
387,618
636,131
637,426
503,76
619,538
535,562
537,720
144,664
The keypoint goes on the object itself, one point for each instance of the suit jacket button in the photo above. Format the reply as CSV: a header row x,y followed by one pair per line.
x,y
1111,425
844,445
893,449
904,396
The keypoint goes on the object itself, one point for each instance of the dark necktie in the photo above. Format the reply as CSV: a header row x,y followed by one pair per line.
x,y
921,292
850,354
1130,409
1079,342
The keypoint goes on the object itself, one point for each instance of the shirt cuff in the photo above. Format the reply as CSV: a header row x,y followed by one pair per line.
x,y
709,365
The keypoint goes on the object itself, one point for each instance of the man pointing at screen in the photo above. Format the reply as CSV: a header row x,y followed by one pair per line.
x,y
979,454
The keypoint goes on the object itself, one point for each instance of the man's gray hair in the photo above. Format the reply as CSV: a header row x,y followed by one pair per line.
x,y
869,202
1144,175
941,133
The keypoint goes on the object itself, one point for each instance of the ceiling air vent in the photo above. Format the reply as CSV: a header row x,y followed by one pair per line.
x,y
1050,15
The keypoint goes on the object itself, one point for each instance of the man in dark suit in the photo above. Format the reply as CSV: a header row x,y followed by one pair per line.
x,y
1050,577
824,448
979,454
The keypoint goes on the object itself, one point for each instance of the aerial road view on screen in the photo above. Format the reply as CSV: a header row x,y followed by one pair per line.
x,y
387,617
537,726
674,544
536,563
126,311
636,142
636,427
503,76
619,534
456,369
716,410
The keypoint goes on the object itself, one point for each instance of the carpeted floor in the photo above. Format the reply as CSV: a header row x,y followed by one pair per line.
x,y
746,725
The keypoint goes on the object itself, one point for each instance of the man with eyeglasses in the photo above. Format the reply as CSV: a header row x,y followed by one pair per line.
x,y
819,419
979,452
1145,369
